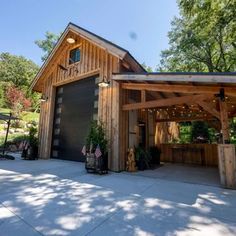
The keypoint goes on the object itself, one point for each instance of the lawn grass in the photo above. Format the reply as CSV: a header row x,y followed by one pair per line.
x,y
30,116
11,137
25,117
5,110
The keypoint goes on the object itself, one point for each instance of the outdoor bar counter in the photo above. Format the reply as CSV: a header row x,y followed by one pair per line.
x,y
195,154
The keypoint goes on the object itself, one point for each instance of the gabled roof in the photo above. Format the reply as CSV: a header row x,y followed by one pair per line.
x,y
96,39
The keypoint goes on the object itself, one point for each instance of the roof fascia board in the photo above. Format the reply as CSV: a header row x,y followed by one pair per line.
x,y
39,74
231,79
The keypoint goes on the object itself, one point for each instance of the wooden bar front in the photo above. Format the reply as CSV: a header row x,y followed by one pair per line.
x,y
194,154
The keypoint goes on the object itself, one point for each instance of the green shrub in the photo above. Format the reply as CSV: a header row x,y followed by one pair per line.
x,y
97,136
12,139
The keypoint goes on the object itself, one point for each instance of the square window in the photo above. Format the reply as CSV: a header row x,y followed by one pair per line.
x,y
55,153
74,56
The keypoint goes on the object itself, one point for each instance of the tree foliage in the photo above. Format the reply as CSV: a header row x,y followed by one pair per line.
x,y
16,100
17,72
199,132
147,68
47,44
203,38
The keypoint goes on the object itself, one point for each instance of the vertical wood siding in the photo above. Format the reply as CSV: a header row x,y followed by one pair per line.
x,y
93,61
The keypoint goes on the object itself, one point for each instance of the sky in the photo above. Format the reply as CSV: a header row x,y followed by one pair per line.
x,y
140,26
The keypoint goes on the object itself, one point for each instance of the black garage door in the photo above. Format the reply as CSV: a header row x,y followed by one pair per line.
x,y
75,108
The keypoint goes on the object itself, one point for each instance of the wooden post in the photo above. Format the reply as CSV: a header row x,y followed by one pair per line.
x,y
227,165
224,121
143,96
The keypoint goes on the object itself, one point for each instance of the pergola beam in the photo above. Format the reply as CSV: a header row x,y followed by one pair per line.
x,y
184,119
179,88
209,108
164,102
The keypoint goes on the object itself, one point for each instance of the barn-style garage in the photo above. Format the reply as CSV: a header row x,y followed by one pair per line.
x,y
88,78
68,81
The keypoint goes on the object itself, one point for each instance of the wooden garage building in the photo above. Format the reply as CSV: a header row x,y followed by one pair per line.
x,y
68,81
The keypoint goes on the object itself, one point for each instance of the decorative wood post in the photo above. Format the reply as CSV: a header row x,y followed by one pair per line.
x,y
226,151
224,121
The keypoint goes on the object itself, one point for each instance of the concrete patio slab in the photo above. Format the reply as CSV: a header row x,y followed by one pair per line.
x,y
184,173
53,197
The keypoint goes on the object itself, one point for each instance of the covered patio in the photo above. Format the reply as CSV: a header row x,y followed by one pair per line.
x,y
154,102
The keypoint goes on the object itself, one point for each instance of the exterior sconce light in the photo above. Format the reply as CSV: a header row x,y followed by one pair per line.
x,y
104,83
221,95
62,67
43,98
70,40
141,124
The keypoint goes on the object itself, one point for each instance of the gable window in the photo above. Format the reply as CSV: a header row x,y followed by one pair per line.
x,y
74,56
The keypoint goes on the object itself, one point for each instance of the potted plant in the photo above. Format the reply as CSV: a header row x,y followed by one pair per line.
x,y
96,149
143,158
155,154
30,149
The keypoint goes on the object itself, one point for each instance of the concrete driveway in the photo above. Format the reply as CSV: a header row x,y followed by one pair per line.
x,y
52,197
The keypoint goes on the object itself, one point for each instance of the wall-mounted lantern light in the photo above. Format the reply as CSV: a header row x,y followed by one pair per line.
x,y
70,40
43,98
141,123
221,95
104,83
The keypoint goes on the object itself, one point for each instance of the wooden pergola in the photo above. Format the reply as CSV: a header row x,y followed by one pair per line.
x,y
182,96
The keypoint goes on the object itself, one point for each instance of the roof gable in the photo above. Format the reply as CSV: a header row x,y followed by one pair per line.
x,y
91,37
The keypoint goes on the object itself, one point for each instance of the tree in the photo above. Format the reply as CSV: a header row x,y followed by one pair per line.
x,y
17,71
2,95
47,44
199,132
17,100
203,38
147,68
